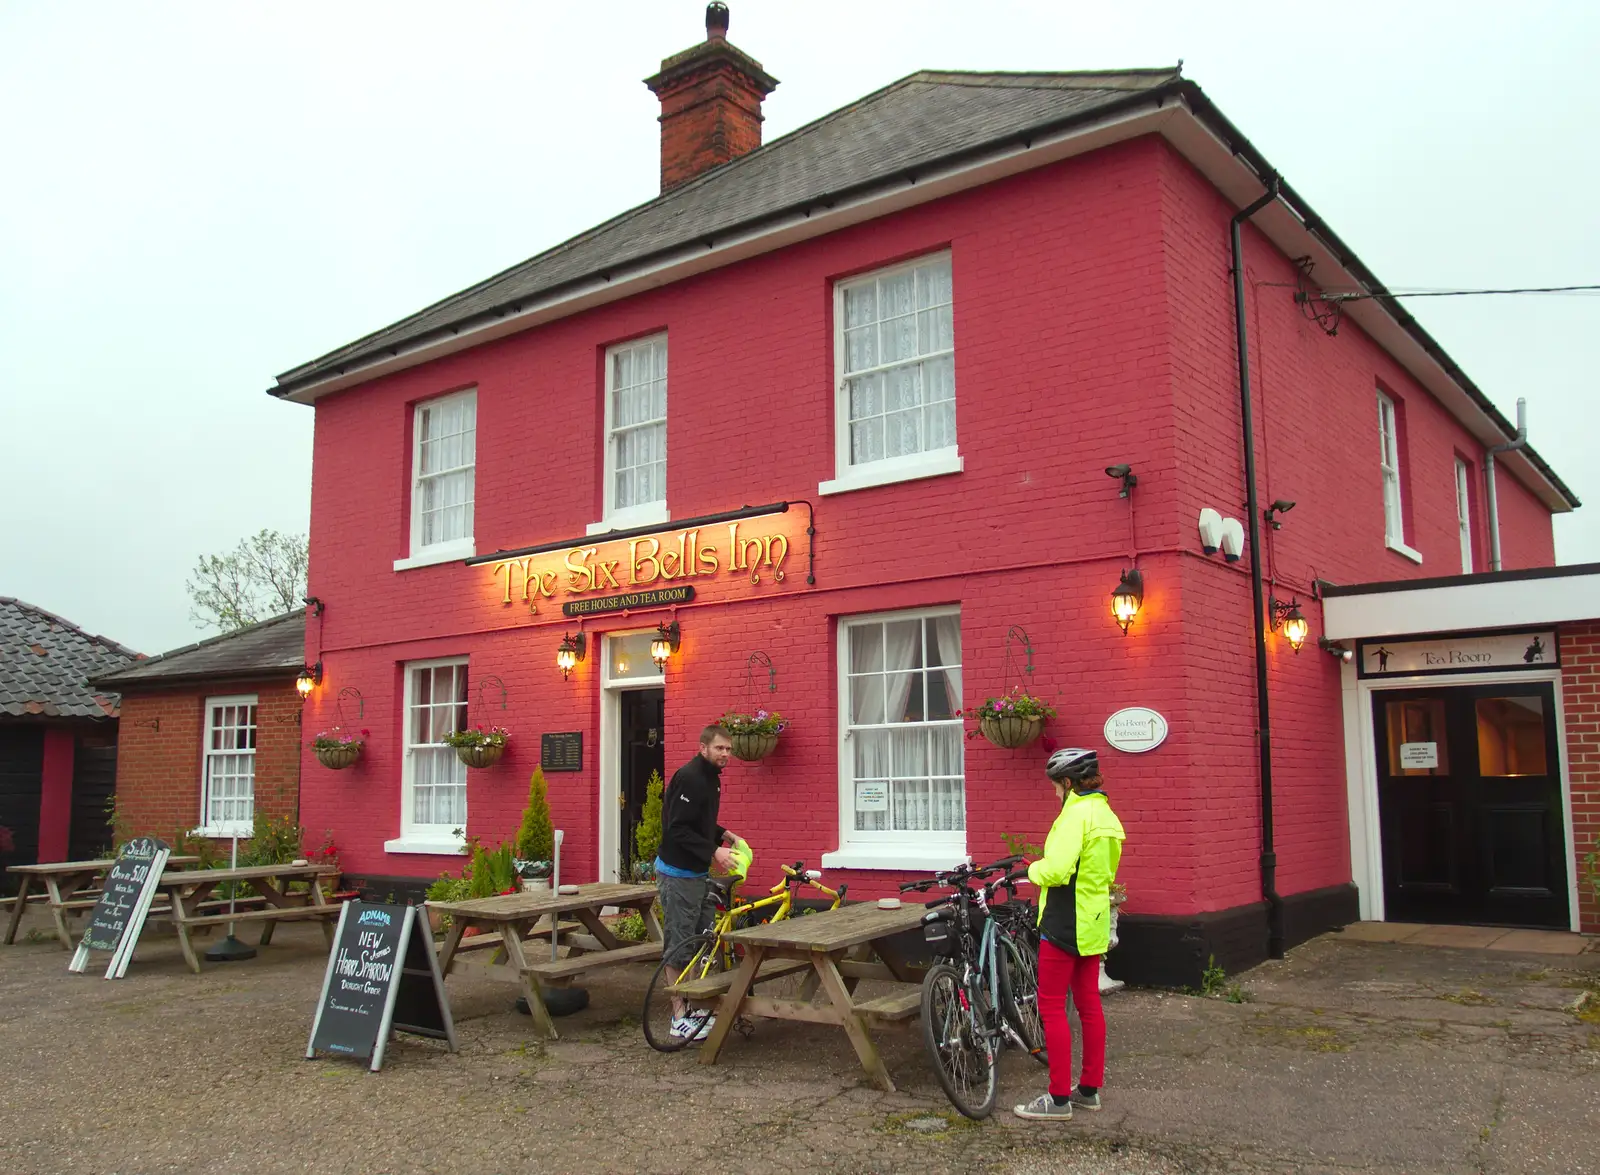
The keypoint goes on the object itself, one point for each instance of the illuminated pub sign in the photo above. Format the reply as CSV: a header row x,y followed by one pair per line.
x,y
745,553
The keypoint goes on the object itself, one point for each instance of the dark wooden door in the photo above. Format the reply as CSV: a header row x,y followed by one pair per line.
x,y
94,781
643,752
21,784
1469,801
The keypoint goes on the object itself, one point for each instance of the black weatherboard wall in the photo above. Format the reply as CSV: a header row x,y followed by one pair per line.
x,y
21,782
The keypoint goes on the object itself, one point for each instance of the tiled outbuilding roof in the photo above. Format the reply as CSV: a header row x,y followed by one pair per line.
x,y
46,663
273,648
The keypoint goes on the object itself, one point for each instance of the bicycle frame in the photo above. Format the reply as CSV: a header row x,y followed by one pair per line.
x,y
779,899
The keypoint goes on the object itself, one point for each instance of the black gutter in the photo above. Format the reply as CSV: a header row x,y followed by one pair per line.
x,y
609,536
323,368
1561,571
1269,858
1217,122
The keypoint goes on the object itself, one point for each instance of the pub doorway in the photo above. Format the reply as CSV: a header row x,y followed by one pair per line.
x,y
632,744
1470,811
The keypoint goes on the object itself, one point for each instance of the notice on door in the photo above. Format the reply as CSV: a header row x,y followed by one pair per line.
x,y
872,797
1416,756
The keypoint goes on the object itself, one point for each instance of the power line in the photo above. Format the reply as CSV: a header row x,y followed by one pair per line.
x,y
1362,295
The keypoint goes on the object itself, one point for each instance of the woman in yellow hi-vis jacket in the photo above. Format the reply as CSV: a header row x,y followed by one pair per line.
x,y
1074,878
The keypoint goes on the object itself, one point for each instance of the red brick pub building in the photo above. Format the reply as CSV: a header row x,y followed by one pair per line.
x,y
834,417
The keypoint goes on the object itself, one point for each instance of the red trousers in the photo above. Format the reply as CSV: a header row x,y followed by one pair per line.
x,y
1059,973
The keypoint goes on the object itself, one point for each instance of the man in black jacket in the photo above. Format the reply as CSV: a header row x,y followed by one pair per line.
x,y
691,842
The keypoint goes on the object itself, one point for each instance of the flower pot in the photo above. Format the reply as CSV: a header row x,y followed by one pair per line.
x,y
754,747
1011,732
486,755
338,758
535,884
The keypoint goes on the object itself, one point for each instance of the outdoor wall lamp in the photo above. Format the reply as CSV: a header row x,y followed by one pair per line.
x,y
1125,472
1281,506
667,639
1334,648
310,677
1293,622
1127,598
571,650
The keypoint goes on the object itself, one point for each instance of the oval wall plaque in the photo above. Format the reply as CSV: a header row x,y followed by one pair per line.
x,y
1136,730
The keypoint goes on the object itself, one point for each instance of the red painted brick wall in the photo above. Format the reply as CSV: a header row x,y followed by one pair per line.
x,y
159,771
1094,325
1580,695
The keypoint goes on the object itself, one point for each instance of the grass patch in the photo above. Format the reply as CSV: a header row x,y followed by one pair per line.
x,y
1587,1008
954,1123
1467,998
1533,976
1309,1037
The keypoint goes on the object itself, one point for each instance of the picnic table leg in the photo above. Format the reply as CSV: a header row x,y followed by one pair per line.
x,y
833,983
273,897
728,1010
511,942
52,885
320,898
16,910
452,940
182,908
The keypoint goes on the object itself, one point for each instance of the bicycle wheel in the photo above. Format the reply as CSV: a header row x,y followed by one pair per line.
x,y
657,1017
963,1059
1019,995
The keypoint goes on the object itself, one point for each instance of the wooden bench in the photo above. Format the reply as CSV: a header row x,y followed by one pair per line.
x,y
270,914
566,970
717,984
899,1005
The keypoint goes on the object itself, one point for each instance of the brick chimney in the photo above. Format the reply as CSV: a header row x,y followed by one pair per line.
x,y
710,103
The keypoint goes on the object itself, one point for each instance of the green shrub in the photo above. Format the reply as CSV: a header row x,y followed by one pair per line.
x,y
647,836
492,871
630,927
536,839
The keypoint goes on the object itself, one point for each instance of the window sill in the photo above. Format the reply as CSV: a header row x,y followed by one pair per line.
x,y
649,515
434,847
225,831
891,858
443,553
1401,549
896,469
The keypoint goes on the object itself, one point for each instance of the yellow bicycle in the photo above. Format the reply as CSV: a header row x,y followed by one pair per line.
x,y
707,973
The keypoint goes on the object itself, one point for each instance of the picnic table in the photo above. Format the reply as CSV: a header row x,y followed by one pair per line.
x,y
503,924
839,948
189,891
63,881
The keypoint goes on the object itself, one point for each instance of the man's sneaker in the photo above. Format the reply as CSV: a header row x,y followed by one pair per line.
x,y
1044,1106
1086,1101
706,1022
683,1026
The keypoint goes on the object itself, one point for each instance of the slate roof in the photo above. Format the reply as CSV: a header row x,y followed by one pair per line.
x,y
273,648
45,664
922,120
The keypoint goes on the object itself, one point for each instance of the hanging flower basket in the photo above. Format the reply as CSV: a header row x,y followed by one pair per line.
x,y
754,736
485,755
1011,732
477,747
752,748
338,748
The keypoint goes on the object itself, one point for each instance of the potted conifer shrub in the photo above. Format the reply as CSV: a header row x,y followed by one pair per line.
x,y
535,847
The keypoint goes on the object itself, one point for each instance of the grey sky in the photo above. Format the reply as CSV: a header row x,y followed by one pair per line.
x,y
198,196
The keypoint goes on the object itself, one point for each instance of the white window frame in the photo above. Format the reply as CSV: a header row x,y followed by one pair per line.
x,y
911,466
1394,519
452,549
1464,513
243,826
646,513
421,838
891,850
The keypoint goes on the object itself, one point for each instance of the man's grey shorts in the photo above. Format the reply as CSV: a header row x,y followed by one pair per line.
x,y
686,912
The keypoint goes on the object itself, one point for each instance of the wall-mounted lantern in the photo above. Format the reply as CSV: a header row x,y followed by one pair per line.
x,y
1293,622
1127,598
310,677
571,650
667,639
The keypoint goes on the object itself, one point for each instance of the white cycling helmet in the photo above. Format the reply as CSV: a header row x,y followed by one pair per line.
x,y
1072,764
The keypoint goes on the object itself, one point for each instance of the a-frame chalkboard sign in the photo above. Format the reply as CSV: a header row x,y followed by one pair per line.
x,y
382,976
118,917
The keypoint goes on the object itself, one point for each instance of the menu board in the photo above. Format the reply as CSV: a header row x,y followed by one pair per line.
x,y
382,976
118,917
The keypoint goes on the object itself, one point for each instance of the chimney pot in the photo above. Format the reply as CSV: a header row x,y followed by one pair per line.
x,y
716,21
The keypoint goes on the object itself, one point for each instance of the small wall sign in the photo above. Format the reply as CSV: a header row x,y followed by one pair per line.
x,y
1495,653
1136,730
1415,756
562,751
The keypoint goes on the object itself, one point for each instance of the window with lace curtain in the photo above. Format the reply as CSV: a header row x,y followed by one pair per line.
x,y
433,779
902,767
636,434
896,375
444,459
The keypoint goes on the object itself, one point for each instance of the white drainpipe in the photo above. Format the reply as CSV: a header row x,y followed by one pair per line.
x,y
1488,475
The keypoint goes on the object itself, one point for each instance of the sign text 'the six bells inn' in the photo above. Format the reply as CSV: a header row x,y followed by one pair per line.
x,y
688,556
